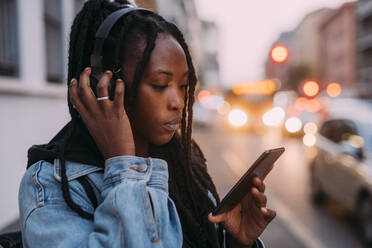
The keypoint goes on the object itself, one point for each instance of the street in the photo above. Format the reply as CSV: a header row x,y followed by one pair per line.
x,y
298,222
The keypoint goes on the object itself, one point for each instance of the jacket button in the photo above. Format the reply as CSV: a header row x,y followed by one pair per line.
x,y
139,168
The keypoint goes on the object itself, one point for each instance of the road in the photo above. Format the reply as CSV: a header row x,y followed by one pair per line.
x,y
298,223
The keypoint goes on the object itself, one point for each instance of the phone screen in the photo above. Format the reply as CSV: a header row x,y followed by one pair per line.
x,y
260,168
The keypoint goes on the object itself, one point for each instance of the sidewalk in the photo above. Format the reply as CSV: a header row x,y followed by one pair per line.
x,y
277,235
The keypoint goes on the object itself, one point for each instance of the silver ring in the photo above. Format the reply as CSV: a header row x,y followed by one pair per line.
x,y
119,69
102,98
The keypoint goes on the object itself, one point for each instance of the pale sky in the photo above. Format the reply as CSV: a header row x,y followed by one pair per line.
x,y
247,29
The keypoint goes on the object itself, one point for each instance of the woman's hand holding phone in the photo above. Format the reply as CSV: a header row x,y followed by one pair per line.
x,y
106,120
245,223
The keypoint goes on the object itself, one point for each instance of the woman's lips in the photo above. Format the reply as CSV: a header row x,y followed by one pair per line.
x,y
172,127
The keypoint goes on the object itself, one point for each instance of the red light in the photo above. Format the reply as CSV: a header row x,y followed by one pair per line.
x,y
204,96
311,88
313,106
279,54
334,89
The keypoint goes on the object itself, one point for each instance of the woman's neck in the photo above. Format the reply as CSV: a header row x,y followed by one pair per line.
x,y
142,146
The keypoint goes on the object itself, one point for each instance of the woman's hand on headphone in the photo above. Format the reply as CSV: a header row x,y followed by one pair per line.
x,y
246,222
106,120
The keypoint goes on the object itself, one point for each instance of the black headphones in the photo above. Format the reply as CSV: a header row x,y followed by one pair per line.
x,y
101,36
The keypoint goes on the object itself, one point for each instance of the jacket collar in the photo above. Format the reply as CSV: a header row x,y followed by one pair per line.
x,y
73,169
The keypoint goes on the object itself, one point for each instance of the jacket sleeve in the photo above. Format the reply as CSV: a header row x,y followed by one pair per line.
x,y
135,210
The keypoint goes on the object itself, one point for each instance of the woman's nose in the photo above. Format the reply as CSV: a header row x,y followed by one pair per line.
x,y
176,101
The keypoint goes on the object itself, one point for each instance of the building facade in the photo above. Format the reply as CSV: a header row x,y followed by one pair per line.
x,y
184,15
303,47
364,48
33,65
210,67
280,71
337,56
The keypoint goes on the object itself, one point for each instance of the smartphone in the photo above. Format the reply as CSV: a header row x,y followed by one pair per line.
x,y
260,168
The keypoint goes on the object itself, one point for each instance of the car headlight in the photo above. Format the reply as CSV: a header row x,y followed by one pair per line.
x,y
273,117
310,128
309,139
237,117
293,124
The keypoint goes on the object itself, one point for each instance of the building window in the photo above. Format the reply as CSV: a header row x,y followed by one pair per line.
x,y
8,38
53,40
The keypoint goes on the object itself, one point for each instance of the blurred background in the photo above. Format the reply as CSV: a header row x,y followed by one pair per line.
x,y
290,73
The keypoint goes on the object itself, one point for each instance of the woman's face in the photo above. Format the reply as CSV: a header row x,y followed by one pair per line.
x,y
157,112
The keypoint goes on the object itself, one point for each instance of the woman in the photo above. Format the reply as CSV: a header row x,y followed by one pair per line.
x,y
103,180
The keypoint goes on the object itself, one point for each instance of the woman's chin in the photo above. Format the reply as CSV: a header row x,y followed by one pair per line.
x,y
163,139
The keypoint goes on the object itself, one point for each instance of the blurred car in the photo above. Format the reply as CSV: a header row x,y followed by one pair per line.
x,y
342,167
202,117
246,111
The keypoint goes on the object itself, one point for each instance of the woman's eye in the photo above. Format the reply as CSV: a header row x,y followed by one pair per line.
x,y
159,87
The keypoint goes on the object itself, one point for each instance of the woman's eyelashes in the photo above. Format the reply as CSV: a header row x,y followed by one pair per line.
x,y
159,87
162,87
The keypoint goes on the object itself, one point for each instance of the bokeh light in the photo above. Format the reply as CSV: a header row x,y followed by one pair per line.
x,y
309,139
279,54
273,117
313,105
310,128
311,88
301,103
204,96
293,124
223,108
293,111
237,117
334,89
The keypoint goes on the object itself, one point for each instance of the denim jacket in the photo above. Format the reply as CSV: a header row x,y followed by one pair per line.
x,y
134,208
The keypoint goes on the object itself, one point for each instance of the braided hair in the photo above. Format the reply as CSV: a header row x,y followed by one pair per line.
x,y
186,162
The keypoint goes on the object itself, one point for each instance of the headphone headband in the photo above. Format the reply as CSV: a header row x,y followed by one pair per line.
x,y
101,35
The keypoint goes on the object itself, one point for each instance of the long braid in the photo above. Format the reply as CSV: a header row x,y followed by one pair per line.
x,y
142,63
189,101
152,35
78,35
184,118
73,51
180,154
188,218
64,181
195,168
81,44
202,172
192,80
